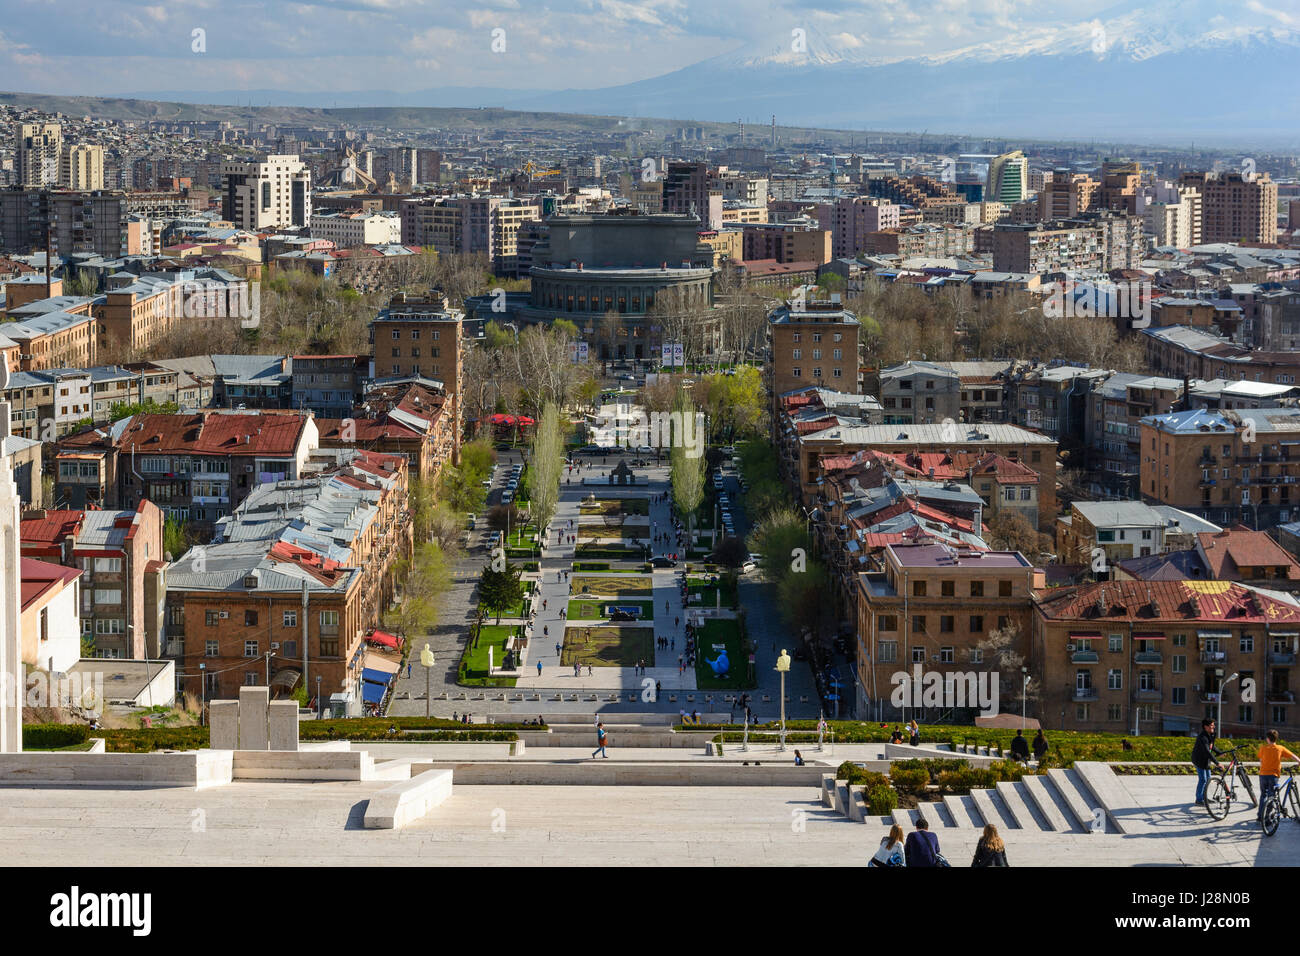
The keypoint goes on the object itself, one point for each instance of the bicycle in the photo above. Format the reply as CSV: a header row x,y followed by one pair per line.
x,y
1276,804
1221,790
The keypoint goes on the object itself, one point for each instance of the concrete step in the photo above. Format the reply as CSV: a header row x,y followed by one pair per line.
x,y
943,813
1106,790
993,809
1045,799
904,819
933,815
1074,796
1051,804
1021,807
964,814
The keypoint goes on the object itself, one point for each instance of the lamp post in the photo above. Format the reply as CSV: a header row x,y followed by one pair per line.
x,y
1024,694
320,704
1222,687
426,661
782,668
268,669
203,690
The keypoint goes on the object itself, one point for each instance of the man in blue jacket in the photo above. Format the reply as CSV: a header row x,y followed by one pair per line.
x,y
922,846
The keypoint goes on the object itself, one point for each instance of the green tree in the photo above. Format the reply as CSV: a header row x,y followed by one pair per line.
x,y
499,590
427,581
547,465
686,467
176,538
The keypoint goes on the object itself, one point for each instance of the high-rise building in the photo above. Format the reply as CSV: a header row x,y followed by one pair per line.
x,y
1119,186
82,167
1172,214
1008,178
1235,207
688,190
274,193
36,154
851,219
814,343
1066,194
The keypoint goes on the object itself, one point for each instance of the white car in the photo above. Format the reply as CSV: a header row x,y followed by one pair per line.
x,y
747,567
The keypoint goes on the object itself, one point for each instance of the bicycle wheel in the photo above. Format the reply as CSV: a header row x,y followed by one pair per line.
x,y
1217,798
1272,816
1245,782
1293,798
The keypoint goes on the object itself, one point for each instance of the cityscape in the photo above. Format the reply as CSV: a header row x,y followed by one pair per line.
x,y
621,435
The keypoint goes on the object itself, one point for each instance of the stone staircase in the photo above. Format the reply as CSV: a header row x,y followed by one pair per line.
x,y
1060,801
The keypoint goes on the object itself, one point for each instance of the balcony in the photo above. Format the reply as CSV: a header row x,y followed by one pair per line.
x,y
1148,657
1209,697
1084,657
1281,697
1085,693
175,649
1281,660
1147,694
1213,657
1206,482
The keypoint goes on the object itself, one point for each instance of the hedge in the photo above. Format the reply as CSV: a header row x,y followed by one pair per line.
x,y
54,736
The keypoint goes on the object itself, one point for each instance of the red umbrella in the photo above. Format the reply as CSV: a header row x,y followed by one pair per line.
x,y
525,420
500,419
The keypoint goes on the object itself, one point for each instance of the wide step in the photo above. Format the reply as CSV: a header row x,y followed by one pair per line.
x,y
1073,795
961,818
1022,810
1040,795
992,809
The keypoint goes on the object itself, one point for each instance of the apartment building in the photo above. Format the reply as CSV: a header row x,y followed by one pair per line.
x,y
921,392
1235,206
82,167
1115,407
328,386
817,344
75,222
1226,466
1119,530
1153,657
1179,351
273,193
688,190
120,557
1098,242
1008,180
37,147
928,610
348,229
1066,195
475,224
422,336
851,219
786,242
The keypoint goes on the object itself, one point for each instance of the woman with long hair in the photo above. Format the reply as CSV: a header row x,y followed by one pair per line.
x,y
990,851
891,849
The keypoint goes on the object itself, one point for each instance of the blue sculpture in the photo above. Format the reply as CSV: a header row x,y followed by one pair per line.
x,y
720,664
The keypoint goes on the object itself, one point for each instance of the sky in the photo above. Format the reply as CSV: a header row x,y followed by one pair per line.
x,y
110,47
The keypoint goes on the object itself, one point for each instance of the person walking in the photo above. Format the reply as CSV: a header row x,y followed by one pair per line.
x,y
1204,754
1019,747
1040,745
922,846
990,851
1270,768
539,668
890,852
557,648
914,730
600,741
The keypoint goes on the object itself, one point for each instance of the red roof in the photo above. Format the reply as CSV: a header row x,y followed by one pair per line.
x,y
1175,602
39,578
212,433
366,429
50,529
1227,553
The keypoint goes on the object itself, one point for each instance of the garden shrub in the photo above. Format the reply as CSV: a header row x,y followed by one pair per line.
x,y
52,736
881,801
912,780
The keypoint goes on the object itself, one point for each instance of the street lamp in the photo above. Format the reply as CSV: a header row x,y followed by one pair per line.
x,y
320,704
426,661
1024,693
1222,687
203,690
782,668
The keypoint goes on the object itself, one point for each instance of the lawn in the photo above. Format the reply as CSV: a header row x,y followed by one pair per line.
x,y
607,646
514,610
616,506
474,662
609,587
709,592
617,533
726,633
595,610
591,549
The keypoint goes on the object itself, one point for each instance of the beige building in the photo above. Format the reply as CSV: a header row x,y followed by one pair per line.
x,y
82,167
813,343
1236,207
36,153
272,193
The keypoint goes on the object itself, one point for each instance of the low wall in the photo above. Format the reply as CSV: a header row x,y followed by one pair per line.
x,y
197,769
908,752
303,765
529,773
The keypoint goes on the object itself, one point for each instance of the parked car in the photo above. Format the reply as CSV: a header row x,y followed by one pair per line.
x,y
662,562
747,567
507,496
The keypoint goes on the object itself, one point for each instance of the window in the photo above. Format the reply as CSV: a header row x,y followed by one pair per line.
x,y
796,372
1178,664
817,373
1180,640
946,655
1278,714
250,648
290,648
1178,695
1114,712
210,618
250,678
1115,679
946,623
211,648
918,589
1246,713
947,588
1247,644
290,618
1004,589
109,626
250,619
796,354
1081,713
329,622
977,623
817,354
108,595
397,352
918,623
886,622
396,335
977,589
976,656
109,565
888,651
1115,644
918,655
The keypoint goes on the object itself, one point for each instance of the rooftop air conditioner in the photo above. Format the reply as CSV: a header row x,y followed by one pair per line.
x,y
224,614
